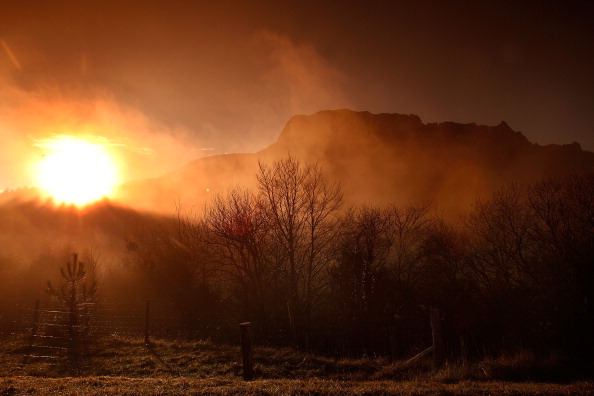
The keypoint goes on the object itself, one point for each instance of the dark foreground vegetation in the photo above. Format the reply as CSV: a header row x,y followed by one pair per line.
x,y
117,365
514,274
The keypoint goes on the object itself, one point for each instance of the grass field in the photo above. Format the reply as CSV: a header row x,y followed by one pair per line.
x,y
222,386
117,365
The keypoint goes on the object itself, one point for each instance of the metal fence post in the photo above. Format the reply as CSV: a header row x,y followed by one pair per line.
x,y
35,319
246,350
436,335
147,322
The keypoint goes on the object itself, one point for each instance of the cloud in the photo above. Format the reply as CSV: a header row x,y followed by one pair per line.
x,y
210,101
280,78
299,78
10,54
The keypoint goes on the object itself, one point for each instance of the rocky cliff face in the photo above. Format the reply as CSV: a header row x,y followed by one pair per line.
x,y
381,158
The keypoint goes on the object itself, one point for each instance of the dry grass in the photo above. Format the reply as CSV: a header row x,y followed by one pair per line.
x,y
118,365
130,357
517,366
218,386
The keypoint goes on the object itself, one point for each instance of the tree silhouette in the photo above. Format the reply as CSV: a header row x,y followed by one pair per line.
x,y
302,205
75,296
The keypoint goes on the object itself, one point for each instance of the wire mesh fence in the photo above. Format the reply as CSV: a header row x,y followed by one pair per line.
x,y
99,319
54,332
53,336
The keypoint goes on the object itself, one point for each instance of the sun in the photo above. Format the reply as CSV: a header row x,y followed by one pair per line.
x,y
76,171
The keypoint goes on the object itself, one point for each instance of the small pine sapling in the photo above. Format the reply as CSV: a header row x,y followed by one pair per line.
x,y
76,296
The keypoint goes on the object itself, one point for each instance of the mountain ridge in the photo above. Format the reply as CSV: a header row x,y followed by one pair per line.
x,y
378,158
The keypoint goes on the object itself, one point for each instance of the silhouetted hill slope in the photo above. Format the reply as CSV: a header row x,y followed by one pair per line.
x,y
192,185
30,226
379,158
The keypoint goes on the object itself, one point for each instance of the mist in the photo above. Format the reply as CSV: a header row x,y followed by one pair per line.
x,y
331,173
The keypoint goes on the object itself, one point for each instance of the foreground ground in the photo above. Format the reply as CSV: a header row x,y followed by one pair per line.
x,y
124,366
216,386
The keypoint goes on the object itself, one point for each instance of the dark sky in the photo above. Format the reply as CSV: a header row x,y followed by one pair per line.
x,y
225,76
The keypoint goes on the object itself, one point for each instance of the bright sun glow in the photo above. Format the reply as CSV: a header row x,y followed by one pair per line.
x,y
76,171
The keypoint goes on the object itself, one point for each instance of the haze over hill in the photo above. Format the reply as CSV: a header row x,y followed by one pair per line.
x,y
31,226
377,158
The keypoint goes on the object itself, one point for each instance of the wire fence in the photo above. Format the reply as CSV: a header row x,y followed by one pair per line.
x,y
99,319
53,336
52,329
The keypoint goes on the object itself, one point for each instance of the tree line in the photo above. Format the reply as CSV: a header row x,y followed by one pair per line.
x,y
311,272
308,271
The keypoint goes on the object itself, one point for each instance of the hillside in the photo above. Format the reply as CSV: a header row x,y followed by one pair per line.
x,y
31,226
378,158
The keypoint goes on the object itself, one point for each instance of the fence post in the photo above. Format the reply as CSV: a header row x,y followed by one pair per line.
x,y
293,328
436,335
35,319
463,352
246,350
392,331
147,321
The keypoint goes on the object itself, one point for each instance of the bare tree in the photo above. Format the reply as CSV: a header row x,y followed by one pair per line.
x,y
173,259
563,233
364,248
323,200
409,226
240,245
501,229
300,204
394,262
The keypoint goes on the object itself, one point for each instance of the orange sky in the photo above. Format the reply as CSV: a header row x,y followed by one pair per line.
x,y
177,80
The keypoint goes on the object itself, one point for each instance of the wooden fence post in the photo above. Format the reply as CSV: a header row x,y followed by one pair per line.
x,y
147,321
436,335
246,351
